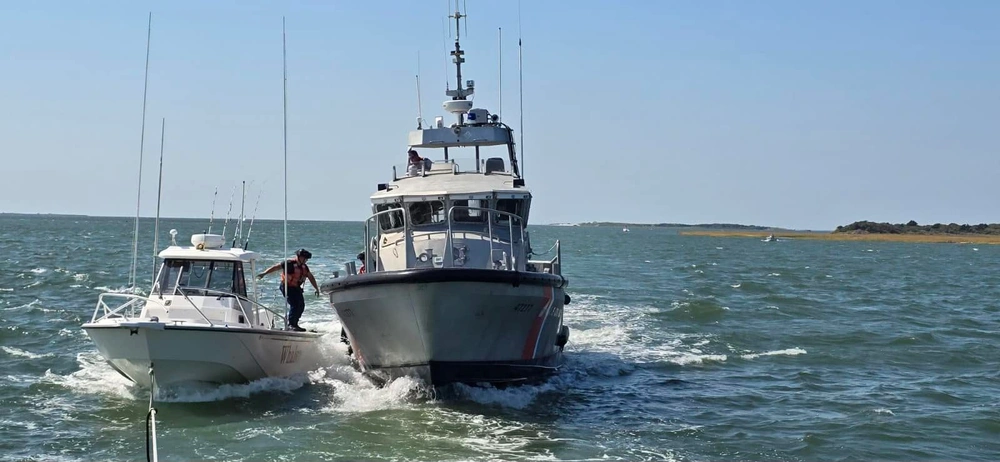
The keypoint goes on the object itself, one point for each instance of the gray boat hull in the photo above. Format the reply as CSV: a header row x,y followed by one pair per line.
x,y
453,325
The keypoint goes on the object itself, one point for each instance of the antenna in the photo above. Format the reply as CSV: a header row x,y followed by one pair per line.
x,y
142,143
444,47
159,192
459,93
231,196
246,243
420,114
284,136
500,72
211,217
520,84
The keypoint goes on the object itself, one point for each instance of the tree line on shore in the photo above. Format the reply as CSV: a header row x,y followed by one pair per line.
x,y
912,227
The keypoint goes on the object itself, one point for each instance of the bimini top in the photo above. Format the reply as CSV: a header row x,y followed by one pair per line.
x,y
207,247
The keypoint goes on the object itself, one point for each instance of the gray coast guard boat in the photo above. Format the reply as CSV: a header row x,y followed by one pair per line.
x,y
451,293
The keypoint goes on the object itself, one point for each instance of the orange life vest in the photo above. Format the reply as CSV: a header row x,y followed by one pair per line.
x,y
295,272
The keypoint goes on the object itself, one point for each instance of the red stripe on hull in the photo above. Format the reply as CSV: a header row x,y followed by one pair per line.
x,y
529,344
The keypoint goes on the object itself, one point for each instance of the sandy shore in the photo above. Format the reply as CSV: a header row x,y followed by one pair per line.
x,y
940,238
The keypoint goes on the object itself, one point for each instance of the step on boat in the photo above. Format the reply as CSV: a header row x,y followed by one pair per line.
x,y
450,292
200,323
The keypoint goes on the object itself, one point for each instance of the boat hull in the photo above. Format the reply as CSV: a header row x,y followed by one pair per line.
x,y
453,325
194,354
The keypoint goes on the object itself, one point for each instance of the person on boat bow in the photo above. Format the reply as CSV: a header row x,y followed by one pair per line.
x,y
294,275
415,162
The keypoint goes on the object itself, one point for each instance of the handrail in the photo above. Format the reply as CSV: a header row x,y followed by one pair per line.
x,y
134,299
377,252
372,264
449,259
108,311
240,299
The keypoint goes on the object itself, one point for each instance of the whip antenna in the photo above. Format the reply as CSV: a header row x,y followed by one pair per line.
x,y
159,192
142,143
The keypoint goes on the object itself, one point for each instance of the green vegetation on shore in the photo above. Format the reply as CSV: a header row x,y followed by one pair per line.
x,y
676,225
870,227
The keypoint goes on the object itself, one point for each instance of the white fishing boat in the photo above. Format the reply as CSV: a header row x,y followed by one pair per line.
x,y
451,292
201,322
770,238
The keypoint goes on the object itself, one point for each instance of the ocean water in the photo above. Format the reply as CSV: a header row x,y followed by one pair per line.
x,y
682,348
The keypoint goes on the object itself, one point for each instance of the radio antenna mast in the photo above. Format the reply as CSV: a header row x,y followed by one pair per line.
x,y
520,84
142,143
420,113
159,193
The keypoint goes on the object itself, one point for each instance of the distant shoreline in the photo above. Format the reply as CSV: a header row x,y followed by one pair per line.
x,y
871,237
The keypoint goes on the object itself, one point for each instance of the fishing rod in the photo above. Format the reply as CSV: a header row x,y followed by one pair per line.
x,y
211,217
246,243
239,227
232,195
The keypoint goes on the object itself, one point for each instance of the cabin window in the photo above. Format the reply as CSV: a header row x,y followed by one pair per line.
x,y
392,220
227,276
192,276
426,213
468,215
515,206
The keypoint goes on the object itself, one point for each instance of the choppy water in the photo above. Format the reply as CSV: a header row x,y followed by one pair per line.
x,y
682,348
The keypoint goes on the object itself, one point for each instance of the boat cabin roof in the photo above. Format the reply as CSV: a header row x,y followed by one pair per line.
x,y
445,179
192,253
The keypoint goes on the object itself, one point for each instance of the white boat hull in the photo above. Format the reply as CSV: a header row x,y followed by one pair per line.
x,y
202,354
453,325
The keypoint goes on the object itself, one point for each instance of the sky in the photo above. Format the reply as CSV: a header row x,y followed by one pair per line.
x,y
796,114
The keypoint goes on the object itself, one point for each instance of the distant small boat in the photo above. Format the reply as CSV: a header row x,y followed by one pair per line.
x,y
770,238
625,229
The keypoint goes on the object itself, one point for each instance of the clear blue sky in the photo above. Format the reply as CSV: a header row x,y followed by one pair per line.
x,y
786,113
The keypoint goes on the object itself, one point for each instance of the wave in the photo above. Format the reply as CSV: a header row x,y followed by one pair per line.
x,y
196,393
25,354
786,352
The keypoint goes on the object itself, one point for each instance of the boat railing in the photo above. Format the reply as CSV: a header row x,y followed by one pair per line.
x,y
375,250
490,213
126,310
552,266
240,300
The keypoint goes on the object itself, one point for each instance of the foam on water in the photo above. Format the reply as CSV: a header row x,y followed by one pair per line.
x,y
786,352
204,393
25,354
94,377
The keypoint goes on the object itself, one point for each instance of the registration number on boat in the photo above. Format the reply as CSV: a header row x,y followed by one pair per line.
x,y
289,354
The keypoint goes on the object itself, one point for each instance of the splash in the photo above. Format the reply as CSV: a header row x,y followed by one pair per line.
x,y
786,352
94,377
25,354
201,393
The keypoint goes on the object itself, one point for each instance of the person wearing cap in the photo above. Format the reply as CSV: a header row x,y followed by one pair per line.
x,y
293,277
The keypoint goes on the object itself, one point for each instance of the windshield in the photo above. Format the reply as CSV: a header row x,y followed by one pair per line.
x,y
192,275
